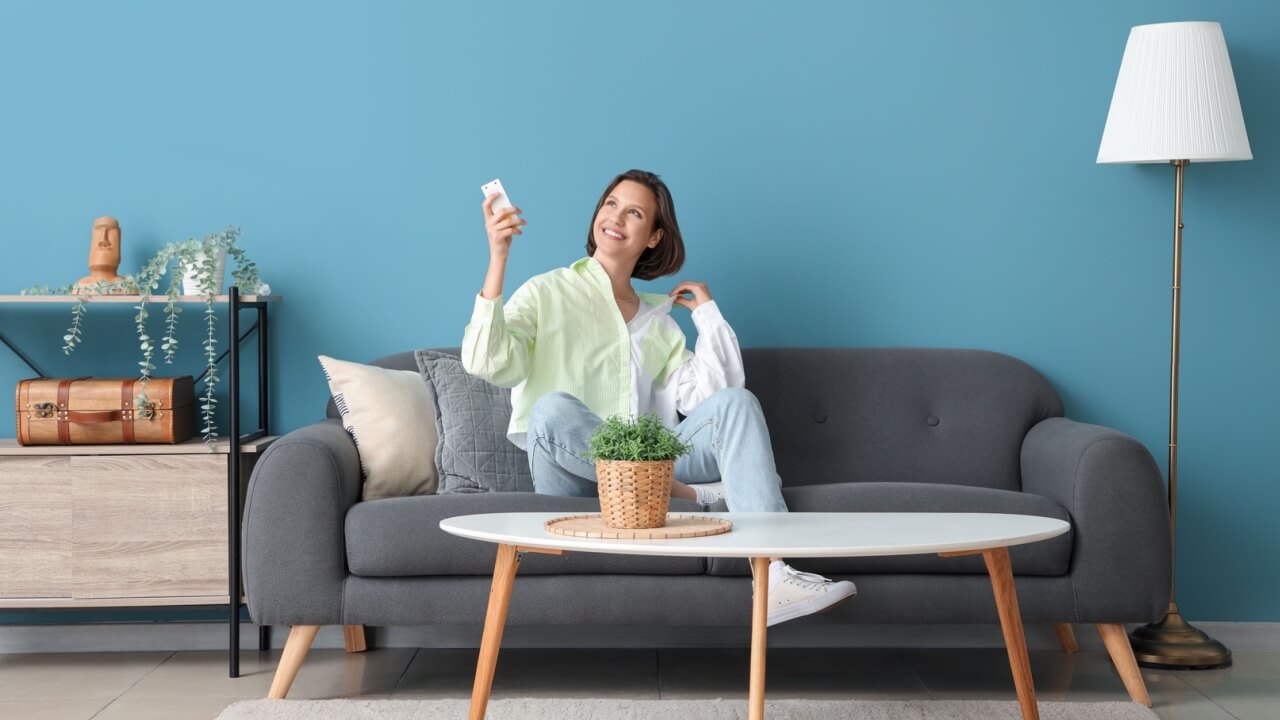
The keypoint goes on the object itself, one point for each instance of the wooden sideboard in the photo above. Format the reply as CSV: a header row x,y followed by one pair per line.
x,y
116,525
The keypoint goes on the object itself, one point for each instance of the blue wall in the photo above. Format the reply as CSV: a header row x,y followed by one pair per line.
x,y
893,173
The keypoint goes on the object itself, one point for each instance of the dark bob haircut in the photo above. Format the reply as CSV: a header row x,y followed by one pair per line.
x,y
668,257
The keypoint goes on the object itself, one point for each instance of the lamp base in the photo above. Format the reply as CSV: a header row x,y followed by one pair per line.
x,y
1174,644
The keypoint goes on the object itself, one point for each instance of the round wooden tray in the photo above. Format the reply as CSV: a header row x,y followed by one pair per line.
x,y
678,526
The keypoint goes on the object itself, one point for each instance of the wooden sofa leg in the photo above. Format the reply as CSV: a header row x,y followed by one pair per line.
x,y
1121,652
354,638
295,650
1066,638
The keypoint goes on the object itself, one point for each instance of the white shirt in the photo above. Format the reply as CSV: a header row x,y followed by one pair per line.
x,y
715,364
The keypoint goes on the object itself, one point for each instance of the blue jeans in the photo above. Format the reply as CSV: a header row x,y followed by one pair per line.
x,y
727,431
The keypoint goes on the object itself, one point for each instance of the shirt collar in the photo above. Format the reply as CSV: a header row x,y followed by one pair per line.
x,y
591,269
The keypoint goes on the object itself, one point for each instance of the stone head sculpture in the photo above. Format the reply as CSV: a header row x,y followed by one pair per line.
x,y
104,253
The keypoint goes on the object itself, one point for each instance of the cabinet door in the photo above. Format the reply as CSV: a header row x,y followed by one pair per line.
x,y
149,526
35,527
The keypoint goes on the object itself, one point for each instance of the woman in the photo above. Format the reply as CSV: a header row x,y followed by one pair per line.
x,y
579,344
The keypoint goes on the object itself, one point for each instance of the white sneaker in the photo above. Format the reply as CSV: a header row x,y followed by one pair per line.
x,y
794,594
708,493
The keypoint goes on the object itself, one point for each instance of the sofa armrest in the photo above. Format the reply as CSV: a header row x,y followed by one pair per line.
x,y
1109,483
294,547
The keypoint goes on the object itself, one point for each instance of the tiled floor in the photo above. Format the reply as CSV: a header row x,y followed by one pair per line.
x,y
194,685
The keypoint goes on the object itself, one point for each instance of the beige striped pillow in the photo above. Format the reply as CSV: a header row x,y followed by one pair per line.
x,y
391,416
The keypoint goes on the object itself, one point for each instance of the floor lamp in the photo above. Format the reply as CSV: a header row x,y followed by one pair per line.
x,y
1175,101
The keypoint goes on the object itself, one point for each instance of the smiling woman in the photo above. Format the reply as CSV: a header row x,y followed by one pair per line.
x,y
579,344
634,202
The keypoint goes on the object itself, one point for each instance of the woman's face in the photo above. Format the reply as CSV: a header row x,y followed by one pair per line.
x,y
624,225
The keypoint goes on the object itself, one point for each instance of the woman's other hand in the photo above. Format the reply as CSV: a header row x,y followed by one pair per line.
x,y
501,227
698,290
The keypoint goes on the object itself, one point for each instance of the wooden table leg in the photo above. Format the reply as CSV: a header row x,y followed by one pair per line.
x,y
759,629
495,620
1001,573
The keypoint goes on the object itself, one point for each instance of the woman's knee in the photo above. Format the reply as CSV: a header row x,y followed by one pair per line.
x,y
736,399
555,404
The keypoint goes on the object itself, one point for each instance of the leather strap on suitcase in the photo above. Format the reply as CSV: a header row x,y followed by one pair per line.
x,y
64,412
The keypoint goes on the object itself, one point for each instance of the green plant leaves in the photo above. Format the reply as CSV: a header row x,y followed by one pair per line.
x,y
639,439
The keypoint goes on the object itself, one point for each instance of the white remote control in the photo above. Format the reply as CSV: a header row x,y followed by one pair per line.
x,y
501,202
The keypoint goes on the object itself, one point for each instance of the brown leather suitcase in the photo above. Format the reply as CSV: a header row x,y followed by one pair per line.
x,y
101,411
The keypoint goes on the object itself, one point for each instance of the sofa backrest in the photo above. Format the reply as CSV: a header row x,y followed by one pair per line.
x,y
888,414
898,414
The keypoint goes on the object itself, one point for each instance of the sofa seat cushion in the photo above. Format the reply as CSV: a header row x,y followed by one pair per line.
x,y
395,537
1050,557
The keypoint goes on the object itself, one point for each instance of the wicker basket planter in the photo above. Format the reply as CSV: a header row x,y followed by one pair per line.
x,y
635,464
634,494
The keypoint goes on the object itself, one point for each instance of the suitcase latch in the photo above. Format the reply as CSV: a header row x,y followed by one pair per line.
x,y
45,410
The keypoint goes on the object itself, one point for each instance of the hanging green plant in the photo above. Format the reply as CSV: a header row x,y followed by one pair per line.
x,y
194,265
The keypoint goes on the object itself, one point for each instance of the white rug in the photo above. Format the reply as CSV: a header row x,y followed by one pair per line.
x,y
578,709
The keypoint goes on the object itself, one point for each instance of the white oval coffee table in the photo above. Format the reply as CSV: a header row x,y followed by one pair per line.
x,y
759,537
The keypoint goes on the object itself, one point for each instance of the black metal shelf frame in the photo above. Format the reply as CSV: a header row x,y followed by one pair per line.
x,y
234,305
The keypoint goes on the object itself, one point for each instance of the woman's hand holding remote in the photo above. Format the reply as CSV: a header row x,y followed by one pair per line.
x,y
500,227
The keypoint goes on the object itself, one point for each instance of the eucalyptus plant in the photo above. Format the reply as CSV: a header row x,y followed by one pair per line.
x,y
174,259
639,439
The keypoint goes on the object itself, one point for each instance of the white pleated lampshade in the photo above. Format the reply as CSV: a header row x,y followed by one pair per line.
x,y
1175,98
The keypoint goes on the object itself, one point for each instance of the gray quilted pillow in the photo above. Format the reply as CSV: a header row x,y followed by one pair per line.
x,y
473,455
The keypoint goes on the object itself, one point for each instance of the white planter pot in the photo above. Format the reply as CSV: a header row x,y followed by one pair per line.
x,y
193,277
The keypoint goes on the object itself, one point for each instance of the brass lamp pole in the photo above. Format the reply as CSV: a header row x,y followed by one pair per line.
x,y
1173,642
1175,101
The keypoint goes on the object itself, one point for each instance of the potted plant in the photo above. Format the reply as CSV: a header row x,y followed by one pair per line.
x,y
635,463
196,260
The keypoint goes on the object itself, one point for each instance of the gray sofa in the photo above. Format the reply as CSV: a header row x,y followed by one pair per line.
x,y
853,429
